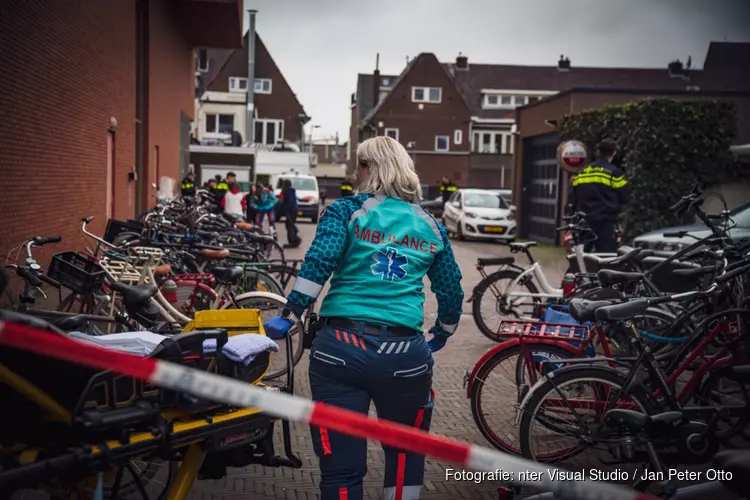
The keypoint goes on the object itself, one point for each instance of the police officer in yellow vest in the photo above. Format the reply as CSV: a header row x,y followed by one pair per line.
x,y
222,186
447,188
187,188
347,189
600,190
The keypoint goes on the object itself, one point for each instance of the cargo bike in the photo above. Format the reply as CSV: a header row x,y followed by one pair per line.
x,y
78,433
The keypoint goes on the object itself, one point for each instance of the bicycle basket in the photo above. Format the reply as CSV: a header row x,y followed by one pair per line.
x,y
76,271
116,228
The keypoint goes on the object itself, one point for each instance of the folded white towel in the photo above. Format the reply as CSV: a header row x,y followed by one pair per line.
x,y
139,343
244,348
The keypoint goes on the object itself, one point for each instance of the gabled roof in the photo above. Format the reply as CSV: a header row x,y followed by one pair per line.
x,y
727,55
400,79
365,92
471,82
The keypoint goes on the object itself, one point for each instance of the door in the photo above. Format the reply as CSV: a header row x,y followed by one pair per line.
x,y
540,215
110,197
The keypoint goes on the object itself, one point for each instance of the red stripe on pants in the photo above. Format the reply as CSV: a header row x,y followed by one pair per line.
x,y
325,441
343,494
401,466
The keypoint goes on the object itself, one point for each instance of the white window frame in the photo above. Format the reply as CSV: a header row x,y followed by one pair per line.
x,y
529,96
279,130
234,84
447,143
426,94
202,69
261,81
458,136
385,132
216,132
506,142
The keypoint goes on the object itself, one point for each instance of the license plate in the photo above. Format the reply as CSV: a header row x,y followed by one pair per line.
x,y
299,214
494,229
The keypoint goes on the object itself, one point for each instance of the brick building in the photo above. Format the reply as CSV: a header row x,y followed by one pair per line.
x,y
458,119
221,103
97,102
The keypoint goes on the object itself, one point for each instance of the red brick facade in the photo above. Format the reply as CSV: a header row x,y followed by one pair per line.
x,y
419,124
69,74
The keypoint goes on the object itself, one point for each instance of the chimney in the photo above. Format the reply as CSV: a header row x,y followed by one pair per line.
x,y
563,64
462,62
250,103
676,69
376,82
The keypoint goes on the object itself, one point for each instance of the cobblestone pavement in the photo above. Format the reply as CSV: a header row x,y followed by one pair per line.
x,y
452,416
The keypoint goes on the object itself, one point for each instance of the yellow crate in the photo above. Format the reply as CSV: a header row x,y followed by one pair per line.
x,y
235,321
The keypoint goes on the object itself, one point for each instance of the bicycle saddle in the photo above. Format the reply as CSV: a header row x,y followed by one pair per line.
x,y
244,225
134,295
583,310
625,254
635,254
738,463
71,323
215,254
227,274
742,373
621,312
162,270
495,261
637,421
610,277
515,247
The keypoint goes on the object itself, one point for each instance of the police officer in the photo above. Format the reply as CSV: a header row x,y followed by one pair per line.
x,y
447,188
600,190
222,185
187,188
379,245
347,189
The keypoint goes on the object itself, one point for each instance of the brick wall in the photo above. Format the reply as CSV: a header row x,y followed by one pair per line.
x,y
171,77
67,69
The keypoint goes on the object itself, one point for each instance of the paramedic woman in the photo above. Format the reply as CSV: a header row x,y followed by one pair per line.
x,y
378,245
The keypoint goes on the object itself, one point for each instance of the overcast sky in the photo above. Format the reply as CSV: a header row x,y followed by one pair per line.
x,y
321,45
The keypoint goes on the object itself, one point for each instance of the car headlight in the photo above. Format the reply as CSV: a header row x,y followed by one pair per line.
x,y
471,215
511,217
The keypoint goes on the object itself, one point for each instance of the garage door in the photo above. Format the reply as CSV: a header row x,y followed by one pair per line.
x,y
541,189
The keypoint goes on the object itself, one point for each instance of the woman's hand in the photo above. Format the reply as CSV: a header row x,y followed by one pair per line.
x,y
277,327
436,343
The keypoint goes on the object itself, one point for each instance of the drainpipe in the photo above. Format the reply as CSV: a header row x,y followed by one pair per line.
x,y
141,44
250,110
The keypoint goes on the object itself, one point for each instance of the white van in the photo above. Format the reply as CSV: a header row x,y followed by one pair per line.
x,y
308,194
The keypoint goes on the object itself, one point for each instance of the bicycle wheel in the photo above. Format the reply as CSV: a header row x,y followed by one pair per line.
x,y
544,418
270,306
507,394
260,280
497,285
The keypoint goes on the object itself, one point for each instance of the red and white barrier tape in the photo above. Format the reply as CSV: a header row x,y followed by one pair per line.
x,y
294,408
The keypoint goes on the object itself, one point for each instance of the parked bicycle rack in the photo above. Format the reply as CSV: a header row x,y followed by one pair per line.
x,y
520,328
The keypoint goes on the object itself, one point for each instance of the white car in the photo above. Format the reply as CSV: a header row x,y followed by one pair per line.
x,y
480,214
308,194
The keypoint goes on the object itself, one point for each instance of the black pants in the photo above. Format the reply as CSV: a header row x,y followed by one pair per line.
x,y
292,234
606,238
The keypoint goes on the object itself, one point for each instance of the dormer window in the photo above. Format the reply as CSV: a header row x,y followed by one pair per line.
x,y
510,99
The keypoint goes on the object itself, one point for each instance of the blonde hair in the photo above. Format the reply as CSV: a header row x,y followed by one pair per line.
x,y
391,170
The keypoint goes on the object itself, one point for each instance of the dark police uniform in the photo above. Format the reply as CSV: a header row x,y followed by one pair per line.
x,y
187,188
346,189
600,190
447,190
